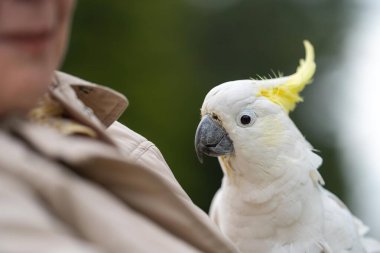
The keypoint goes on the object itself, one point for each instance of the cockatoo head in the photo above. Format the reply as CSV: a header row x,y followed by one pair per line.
x,y
247,120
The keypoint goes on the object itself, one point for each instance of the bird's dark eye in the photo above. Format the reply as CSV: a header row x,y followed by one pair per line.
x,y
215,117
245,119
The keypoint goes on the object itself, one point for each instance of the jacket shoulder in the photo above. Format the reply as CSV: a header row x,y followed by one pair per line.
x,y
141,151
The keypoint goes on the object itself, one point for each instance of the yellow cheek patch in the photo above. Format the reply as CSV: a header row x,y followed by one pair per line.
x,y
271,136
287,94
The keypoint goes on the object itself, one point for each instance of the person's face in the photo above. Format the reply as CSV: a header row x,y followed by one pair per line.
x,y
33,35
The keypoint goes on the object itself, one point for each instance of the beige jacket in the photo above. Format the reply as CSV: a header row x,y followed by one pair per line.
x,y
74,194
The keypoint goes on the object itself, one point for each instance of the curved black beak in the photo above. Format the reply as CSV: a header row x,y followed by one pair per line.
x,y
212,139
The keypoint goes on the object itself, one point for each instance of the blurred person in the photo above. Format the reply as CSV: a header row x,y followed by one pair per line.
x,y
73,179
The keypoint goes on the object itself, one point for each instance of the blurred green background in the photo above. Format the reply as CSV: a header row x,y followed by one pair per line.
x,y
166,55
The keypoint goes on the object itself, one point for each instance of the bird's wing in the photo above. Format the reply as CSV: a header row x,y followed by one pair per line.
x,y
370,244
342,230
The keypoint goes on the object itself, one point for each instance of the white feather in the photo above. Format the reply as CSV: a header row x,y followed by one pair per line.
x,y
271,199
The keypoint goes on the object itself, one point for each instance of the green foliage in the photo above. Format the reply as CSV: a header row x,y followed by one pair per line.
x,y
166,55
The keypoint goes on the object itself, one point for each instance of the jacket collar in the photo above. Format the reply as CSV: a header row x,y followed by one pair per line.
x,y
92,105
106,104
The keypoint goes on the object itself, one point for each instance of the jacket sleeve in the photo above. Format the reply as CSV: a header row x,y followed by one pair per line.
x,y
26,225
45,207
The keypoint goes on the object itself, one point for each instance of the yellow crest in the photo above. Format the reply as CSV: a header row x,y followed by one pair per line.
x,y
287,93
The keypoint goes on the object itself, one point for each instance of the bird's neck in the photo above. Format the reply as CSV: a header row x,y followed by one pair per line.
x,y
282,193
262,168
289,180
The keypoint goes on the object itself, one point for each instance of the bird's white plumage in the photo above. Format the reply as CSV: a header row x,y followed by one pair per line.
x,y
271,198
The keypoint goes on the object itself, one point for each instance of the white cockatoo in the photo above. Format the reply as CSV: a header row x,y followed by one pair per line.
x,y
271,198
